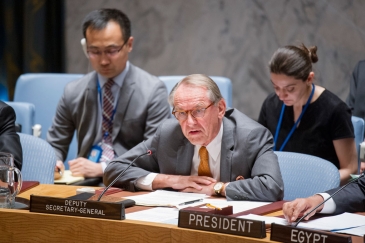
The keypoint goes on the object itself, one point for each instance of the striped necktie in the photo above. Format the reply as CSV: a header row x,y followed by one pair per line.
x,y
107,123
204,169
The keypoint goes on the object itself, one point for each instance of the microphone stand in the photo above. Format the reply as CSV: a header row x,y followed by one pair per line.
x,y
340,189
149,152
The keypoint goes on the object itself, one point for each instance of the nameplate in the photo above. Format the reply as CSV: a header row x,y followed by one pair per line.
x,y
221,224
81,208
284,233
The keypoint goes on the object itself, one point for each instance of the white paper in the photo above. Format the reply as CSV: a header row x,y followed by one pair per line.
x,y
157,215
267,219
167,198
338,222
359,231
238,206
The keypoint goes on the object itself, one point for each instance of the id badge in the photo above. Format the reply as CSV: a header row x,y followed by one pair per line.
x,y
95,153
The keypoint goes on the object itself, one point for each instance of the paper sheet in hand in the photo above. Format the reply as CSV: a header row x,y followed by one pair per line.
x,y
67,178
166,198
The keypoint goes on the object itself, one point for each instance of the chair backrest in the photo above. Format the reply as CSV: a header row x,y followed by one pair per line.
x,y
224,84
39,159
305,175
358,124
44,90
24,115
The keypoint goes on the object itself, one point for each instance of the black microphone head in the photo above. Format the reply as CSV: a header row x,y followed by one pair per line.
x,y
151,151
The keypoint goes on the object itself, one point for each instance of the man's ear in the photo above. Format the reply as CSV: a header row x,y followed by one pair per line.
x,y
222,106
84,47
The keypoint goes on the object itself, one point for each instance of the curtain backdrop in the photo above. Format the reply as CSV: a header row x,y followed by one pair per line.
x,y
31,39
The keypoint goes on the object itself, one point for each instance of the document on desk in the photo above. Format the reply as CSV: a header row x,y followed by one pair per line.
x,y
156,215
67,178
359,231
337,223
167,198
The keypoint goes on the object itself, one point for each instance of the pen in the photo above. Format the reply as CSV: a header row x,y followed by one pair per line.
x,y
60,171
190,202
208,205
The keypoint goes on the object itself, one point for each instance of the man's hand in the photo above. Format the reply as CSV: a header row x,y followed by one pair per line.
x,y
182,183
362,166
292,209
85,167
205,189
59,170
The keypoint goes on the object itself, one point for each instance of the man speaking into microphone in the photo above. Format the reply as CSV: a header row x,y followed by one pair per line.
x,y
206,149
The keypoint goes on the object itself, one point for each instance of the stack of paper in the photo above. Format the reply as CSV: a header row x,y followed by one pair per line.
x,y
67,178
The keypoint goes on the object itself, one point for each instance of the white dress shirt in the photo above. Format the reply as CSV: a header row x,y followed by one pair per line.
x,y
214,150
329,206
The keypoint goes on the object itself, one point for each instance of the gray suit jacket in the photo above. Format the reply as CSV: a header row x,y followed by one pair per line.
x,y
356,98
246,151
142,106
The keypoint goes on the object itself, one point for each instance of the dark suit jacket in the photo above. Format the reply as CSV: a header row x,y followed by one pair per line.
x,y
142,106
351,199
9,139
246,151
356,98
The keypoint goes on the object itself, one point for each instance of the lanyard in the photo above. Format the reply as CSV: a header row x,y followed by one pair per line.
x,y
296,123
101,104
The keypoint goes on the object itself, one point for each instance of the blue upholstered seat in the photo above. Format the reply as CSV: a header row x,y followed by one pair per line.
x,y
44,90
358,124
224,84
39,159
24,115
305,175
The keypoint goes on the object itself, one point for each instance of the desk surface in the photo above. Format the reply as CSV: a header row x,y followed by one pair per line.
x,y
24,226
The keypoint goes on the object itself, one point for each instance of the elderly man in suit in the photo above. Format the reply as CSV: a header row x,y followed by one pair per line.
x,y
206,149
351,199
9,139
112,108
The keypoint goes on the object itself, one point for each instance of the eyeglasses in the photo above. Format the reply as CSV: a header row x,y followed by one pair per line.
x,y
109,52
183,115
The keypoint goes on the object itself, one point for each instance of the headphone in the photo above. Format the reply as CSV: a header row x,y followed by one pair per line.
x,y
84,48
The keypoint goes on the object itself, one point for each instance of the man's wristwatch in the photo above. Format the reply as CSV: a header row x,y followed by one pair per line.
x,y
218,188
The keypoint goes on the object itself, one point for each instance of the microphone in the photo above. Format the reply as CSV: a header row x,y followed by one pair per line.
x,y
340,189
149,152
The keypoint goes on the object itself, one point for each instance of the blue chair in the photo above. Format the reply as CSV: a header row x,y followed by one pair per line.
x,y
39,159
44,90
305,175
358,124
224,84
24,115
4,94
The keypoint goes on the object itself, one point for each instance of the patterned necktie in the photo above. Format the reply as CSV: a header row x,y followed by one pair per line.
x,y
107,123
204,169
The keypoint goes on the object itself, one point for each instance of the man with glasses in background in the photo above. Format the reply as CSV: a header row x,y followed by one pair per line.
x,y
113,108
206,149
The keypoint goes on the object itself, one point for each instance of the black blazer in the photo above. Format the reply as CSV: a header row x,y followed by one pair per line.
x,y
9,139
351,199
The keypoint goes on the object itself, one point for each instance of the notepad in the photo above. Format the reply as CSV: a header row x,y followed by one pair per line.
x,y
67,178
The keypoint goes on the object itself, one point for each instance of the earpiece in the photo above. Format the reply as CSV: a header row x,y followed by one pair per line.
x,y
84,48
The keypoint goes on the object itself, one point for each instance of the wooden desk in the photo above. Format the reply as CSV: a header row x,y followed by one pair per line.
x,y
24,226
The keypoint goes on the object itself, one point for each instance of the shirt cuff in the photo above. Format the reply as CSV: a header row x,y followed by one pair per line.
x,y
329,206
145,182
103,165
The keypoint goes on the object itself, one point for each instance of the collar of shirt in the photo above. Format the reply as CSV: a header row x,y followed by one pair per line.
x,y
119,79
214,150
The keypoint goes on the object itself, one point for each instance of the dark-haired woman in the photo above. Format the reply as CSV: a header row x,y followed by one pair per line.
x,y
304,117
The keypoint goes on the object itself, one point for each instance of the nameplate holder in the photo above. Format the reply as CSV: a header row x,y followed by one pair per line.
x,y
215,221
290,234
81,208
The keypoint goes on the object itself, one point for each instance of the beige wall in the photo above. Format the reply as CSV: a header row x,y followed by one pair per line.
x,y
232,38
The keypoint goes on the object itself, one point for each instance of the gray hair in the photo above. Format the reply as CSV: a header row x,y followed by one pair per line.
x,y
200,80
